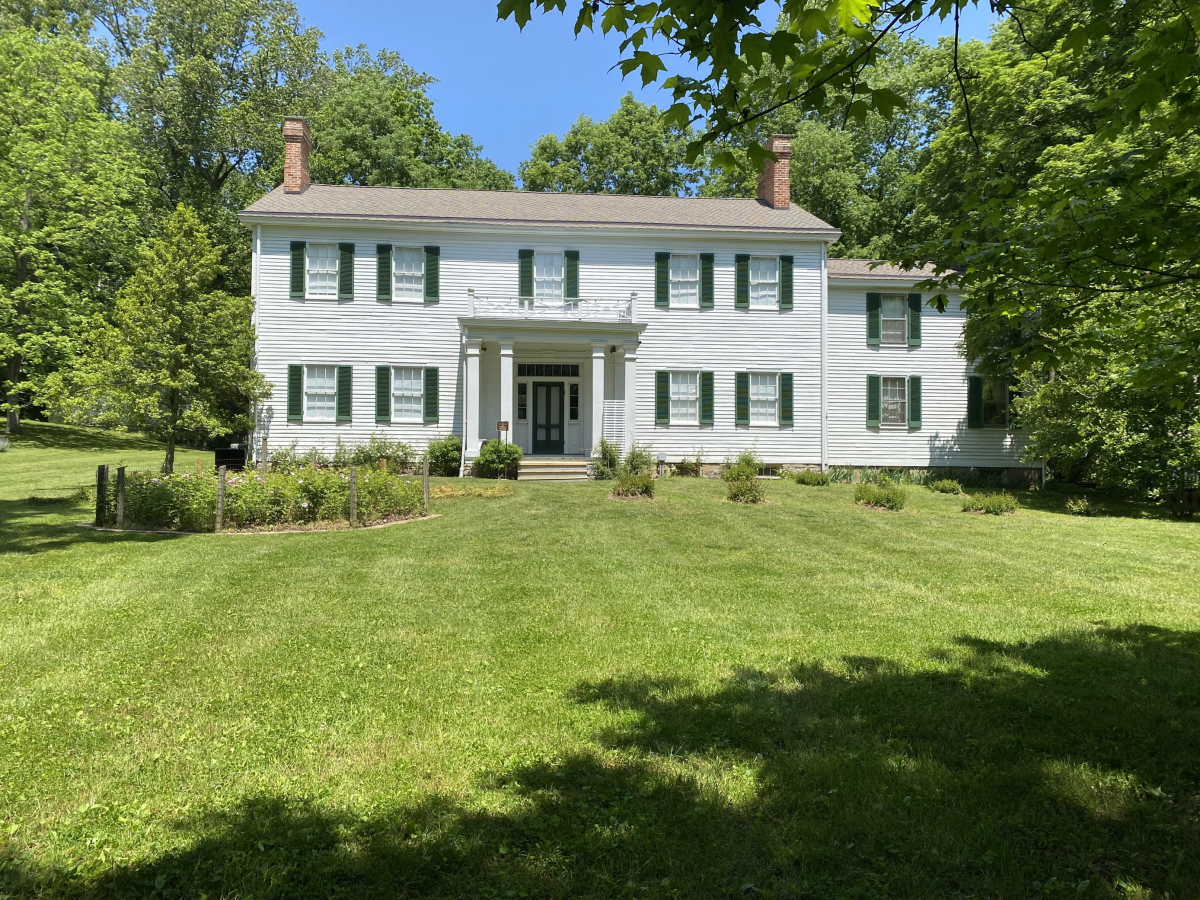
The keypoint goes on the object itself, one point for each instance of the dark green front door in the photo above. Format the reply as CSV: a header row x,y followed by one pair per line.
x,y
548,417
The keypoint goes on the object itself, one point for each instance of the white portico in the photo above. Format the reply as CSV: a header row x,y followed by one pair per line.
x,y
561,373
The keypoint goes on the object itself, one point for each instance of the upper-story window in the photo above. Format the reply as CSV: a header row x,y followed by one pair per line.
x,y
685,279
322,270
764,280
895,319
548,276
409,263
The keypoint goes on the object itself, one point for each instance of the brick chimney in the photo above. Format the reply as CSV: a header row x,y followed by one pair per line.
x,y
775,183
297,143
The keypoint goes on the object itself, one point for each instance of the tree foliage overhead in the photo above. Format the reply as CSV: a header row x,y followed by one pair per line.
x,y
633,151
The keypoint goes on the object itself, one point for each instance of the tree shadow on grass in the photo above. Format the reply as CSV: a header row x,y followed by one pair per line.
x,y
36,526
1068,767
47,436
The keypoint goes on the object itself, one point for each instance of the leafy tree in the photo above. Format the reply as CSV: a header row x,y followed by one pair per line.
x,y
374,124
175,360
633,151
69,186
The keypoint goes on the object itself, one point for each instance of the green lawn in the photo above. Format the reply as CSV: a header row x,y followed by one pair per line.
x,y
554,694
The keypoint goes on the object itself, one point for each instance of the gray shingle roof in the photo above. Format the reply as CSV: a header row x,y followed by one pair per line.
x,y
876,268
535,208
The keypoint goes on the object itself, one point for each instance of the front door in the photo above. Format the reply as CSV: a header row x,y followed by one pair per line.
x,y
548,417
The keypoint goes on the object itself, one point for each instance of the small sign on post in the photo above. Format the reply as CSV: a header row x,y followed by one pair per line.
x,y
502,426
220,499
353,496
101,493
120,496
425,481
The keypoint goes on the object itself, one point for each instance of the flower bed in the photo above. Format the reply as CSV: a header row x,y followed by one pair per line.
x,y
304,496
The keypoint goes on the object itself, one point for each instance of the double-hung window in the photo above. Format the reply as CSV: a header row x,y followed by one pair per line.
x,y
548,276
764,281
895,400
409,273
320,393
685,279
322,270
764,398
894,315
408,394
685,398
995,401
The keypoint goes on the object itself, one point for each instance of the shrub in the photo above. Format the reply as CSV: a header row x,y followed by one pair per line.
x,y
606,461
638,460
881,496
445,456
746,490
400,456
634,484
286,460
741,467
497,458
1082,506
811,478
945,486
997,504
688,468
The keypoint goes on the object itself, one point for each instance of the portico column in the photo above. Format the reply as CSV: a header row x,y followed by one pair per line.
x,y
506,386
597,394
630,394
471,402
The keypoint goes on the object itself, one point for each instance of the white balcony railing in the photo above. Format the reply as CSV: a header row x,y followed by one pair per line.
x,y
581,310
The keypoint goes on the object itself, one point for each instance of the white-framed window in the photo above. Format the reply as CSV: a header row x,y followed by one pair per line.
x,y
320,393
895,319
548,276
408,394
685,279
764,398
764,281
322,270
685,398
895,401
408,265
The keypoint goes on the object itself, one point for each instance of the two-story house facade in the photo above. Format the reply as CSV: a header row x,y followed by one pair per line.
x,y
702,327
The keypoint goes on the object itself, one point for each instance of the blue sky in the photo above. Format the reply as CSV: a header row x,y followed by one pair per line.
x,y
503,86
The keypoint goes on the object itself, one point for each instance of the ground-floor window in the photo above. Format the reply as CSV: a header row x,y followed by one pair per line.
x,y
320,393
895,401
408,394
685,398
995,401
764,398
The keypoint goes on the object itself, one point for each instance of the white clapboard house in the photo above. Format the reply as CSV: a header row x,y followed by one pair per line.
x,y
697,326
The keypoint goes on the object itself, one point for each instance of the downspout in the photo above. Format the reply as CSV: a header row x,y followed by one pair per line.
x,y
462,356
256,409
824,390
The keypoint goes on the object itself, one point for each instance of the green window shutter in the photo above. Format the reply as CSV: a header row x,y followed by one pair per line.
x,y
741,398
914,320
914,401
431,395
383,394
524,273
299,257
662,398
974,401
708,397
741,281
344,401
345,271
433,273
662,280
571,275
785,282
787,401
874,401
295,405
383,271
706,281
874,318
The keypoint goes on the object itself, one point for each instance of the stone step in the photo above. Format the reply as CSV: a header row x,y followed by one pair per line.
x,y
553,468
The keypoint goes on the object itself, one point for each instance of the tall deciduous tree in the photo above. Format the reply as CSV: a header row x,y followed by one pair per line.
x,y
633,151
69,183
175,360
374,124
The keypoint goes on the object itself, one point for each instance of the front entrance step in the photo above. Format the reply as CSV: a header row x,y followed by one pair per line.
x,y
553,468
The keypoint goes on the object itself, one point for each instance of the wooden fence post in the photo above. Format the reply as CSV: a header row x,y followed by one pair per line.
x,y
120,496
101,493
425,481
353,496
220,499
